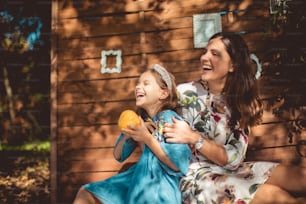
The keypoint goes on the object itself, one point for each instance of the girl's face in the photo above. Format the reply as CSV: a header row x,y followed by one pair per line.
x,y
216,62
148,93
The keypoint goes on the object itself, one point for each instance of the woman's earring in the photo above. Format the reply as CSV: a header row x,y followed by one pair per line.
x,y
231,69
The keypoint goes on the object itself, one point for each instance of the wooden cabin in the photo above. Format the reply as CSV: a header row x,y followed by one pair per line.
x,y
99,49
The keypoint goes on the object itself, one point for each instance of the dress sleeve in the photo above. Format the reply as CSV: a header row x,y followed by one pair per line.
x,y
234,140
212,122
179,154
128,147
236,147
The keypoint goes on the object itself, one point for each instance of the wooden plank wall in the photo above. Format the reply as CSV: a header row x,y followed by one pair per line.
x,y
88,103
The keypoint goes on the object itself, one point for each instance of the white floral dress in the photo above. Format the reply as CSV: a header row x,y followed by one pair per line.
x,y
206,182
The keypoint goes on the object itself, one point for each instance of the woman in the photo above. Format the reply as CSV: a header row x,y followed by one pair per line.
x,y
219,109
155,177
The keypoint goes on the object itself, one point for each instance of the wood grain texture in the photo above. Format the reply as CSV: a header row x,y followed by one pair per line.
x,y
87,103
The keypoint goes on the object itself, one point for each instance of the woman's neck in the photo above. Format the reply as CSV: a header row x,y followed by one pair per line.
x,y
215,89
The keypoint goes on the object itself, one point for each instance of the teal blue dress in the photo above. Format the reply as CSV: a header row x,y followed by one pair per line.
x,y
149,180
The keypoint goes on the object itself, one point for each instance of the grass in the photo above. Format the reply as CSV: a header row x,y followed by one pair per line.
x,y
40,146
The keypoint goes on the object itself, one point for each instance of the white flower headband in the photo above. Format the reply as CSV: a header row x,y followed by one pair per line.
x,y
164,74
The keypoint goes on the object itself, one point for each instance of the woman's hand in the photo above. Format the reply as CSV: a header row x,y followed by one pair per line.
x,y
179,132
140,133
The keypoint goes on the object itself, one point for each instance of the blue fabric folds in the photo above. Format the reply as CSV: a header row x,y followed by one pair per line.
x,y
149,180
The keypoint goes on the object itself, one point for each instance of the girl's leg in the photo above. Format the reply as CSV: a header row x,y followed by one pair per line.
x,y
85,197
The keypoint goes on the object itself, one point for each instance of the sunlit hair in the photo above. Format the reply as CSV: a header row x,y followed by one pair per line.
x,y
171,102
241,86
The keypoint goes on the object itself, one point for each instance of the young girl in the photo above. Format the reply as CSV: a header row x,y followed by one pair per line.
x,y
155,177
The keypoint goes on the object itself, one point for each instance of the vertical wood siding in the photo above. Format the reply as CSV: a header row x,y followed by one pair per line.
x,y
88,103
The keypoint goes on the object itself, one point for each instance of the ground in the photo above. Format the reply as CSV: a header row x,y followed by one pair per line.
x,y
24,177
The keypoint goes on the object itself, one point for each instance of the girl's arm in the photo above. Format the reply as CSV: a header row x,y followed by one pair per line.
x,y
142,134
124,147
156,148
119,146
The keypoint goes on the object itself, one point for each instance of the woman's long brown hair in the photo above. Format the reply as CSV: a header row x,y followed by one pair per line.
x,y
241,87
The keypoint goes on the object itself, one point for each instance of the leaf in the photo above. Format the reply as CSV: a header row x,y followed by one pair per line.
x,y
253,188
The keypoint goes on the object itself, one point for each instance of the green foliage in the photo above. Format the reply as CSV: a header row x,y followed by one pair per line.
x,y
36,146
24,71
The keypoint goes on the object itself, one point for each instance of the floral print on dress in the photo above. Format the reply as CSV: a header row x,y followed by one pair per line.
x,y
206,182
158,132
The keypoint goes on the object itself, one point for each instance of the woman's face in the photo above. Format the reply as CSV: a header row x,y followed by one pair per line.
x,y
216,62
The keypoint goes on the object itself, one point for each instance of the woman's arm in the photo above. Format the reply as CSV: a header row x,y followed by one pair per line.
x,y
180,132
228,155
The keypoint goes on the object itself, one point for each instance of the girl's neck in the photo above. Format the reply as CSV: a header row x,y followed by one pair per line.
x,y
153,111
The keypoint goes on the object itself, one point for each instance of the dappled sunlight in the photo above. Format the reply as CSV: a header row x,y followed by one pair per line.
x,y
114,42
146,31
89,137
73,27
244,5
68,11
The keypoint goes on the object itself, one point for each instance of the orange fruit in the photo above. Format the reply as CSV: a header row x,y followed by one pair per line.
x,y
128,117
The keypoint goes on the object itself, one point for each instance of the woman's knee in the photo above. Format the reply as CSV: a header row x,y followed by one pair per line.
x,y
268,193
290,178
